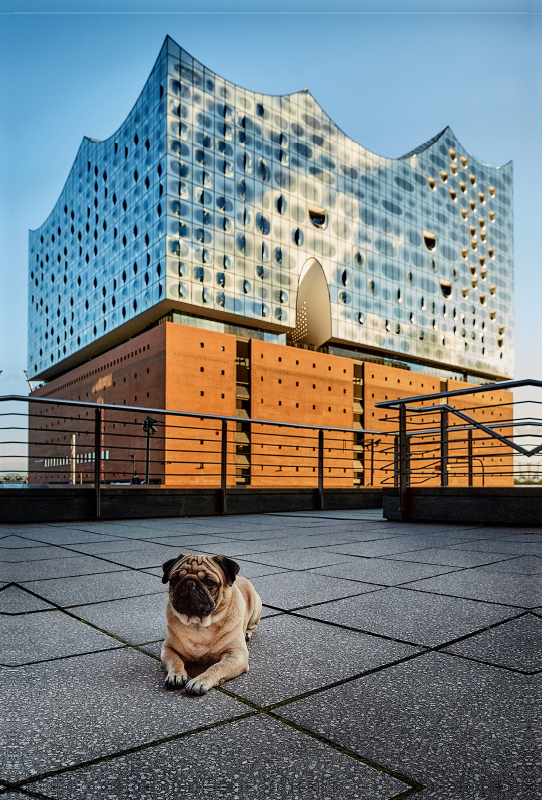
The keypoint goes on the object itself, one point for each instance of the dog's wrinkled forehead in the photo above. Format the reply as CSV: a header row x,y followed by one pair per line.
x,y
200,565
197,565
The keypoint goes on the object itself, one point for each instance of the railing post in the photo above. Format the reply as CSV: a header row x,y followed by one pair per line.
x,y
321,469
470,460
224,467
403,463
396,461
444,448
97,460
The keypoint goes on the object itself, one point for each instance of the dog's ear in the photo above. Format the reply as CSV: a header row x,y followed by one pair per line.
x,y
167,567
228,566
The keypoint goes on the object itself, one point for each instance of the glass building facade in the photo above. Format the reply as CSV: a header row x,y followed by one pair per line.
x,y
218,202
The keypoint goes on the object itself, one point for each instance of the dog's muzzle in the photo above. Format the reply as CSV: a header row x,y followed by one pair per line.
x,y
192,598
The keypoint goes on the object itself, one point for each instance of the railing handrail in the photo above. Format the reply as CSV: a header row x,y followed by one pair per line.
x,y
494,387
191,414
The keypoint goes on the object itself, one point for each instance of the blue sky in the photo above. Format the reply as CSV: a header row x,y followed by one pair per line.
x,y
390,80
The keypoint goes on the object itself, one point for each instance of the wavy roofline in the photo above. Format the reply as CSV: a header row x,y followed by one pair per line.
x,y
416,151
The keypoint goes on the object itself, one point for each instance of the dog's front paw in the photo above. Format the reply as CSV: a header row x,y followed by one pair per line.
x,y
176,680
197,686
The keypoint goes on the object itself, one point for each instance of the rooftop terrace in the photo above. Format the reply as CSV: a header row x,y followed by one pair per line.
x,y
392,660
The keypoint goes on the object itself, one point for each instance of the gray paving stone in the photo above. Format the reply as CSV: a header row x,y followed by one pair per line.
x,y
290,656
415,617
494,587
249,759
381,571
37,637
516,644
193,540
137,620
100,530
14,542
522,537
458,727
383,547
50,535
24,554
14,600
453,557
289,590
522,565
252,570
295,540
299,558
231,547
95,588
91,706
55,568
513,548
100,548
153,556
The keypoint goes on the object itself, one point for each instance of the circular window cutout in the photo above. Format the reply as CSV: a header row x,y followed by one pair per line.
x,y
359,260
453,154
492,291
463,186
318,217
492,216
443,176
445,288
464,213
491,190
464,161
483,272
281,204
481,197
453,169
472,205
432,184
491,252
472,179
430,241
453,195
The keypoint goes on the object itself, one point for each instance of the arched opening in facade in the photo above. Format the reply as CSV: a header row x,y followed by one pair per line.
x,y
313,310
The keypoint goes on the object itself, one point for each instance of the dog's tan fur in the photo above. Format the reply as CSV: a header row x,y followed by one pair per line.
x,y
218,638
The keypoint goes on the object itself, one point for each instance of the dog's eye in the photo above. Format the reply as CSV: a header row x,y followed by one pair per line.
x,y
210,583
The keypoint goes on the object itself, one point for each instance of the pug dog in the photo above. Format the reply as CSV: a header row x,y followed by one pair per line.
x,y
210,616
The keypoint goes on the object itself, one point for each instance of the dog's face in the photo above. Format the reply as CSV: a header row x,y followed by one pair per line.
x,y
197,583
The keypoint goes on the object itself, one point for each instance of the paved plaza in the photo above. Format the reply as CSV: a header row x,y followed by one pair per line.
x,y
392,660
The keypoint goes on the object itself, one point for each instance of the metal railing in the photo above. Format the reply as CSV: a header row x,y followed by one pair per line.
x,y
73,443
456,443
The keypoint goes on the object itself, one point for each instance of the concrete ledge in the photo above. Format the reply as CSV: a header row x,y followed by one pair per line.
x,y
141,502
498,505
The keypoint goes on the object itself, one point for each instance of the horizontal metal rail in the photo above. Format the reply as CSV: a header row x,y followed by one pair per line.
x,y
189,414
488,387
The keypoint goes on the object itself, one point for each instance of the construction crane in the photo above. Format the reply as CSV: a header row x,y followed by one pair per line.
x,y
28,380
